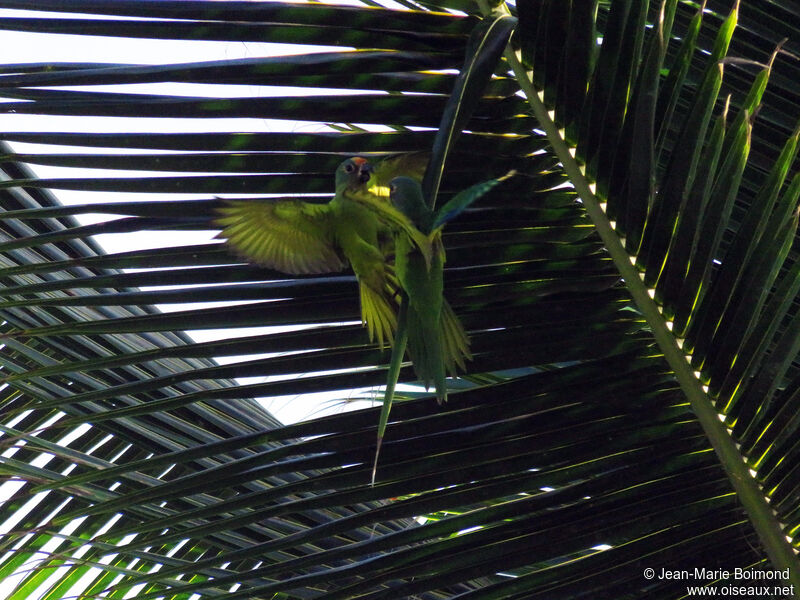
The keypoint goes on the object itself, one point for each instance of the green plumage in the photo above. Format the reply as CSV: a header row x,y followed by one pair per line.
x,y
437,342
427,326
300,237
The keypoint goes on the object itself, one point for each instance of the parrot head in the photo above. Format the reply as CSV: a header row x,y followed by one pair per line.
x,y
405,194
353,173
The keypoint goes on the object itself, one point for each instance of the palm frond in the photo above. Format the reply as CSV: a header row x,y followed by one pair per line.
x,y
577,452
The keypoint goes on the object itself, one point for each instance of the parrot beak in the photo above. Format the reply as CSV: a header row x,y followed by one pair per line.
x,y
364,172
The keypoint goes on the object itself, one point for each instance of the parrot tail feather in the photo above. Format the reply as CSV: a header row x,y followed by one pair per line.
x,y
425,350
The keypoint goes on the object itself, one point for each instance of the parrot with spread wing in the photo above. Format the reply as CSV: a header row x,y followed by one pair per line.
x,y
299,237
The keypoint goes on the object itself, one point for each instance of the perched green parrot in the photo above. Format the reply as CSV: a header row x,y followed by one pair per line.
x,y
437,342
427,326
300,237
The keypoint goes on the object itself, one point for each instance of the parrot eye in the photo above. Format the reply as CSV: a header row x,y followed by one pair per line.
x,y
349,168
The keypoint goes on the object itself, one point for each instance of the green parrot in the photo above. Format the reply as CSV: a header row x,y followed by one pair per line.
x,y
300,237
437,342
427,326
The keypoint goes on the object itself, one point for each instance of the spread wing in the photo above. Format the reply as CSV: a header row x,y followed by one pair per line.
x,y
287,235
464,199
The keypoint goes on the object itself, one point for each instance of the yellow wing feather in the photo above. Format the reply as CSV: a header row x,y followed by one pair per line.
x,y
378,316
291,236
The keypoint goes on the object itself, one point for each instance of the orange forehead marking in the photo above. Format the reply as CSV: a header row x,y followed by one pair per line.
x,y
359,161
